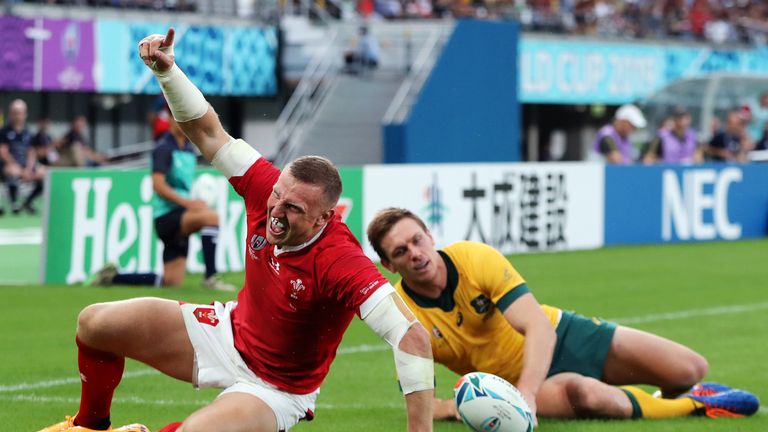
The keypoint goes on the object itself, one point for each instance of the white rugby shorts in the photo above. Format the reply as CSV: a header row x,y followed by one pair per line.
x,y
219,365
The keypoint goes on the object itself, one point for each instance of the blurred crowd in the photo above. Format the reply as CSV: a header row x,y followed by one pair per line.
x,y
169,5
742,130
26,153
718,21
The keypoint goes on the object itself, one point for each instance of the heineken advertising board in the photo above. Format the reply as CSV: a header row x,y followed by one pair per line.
x,y
98,216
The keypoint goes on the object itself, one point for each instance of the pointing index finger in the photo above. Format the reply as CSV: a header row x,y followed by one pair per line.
x,y
168,41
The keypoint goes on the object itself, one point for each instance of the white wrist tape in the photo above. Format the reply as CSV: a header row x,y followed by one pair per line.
x,y
184,99
415,373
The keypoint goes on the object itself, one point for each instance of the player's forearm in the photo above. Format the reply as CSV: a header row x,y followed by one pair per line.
x,y
165,191
195,116
420,408
539,347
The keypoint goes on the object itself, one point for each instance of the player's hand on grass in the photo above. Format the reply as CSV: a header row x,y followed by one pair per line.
x,y
446,410
531,400
157,51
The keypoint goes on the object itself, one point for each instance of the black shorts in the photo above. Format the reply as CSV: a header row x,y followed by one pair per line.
x,y
168,229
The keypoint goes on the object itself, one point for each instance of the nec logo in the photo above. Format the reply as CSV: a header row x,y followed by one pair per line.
x,y
697,206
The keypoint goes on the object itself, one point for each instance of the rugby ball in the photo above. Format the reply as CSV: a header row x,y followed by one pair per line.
x,y
206,188
488,403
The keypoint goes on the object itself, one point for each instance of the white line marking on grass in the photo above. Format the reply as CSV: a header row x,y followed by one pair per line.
x,y
21,236
692,313
667,316
169,402
143,372
362,348
120,400
66,381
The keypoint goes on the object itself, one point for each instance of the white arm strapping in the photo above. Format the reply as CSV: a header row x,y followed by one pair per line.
x,y
184,99
234,158
415,373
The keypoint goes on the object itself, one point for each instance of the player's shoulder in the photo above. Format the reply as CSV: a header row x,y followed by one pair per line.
x,y
337,245
468,248
468,255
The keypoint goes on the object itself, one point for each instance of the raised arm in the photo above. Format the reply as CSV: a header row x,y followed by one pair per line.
x,y
195,116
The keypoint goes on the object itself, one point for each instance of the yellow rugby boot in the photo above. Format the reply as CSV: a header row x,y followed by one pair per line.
x,y
68,425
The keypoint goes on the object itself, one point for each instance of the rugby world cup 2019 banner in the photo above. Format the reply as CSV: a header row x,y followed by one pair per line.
x,y
218,60
515,207
46,54
102,56
99,216
661,204
582,71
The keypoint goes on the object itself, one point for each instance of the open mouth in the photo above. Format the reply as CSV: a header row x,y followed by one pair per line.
x,y
421,266
276,227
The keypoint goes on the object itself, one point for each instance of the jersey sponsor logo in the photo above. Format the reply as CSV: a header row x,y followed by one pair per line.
x,y
274,264
256,243
481,304
206,315
436,332
369,287
507,275
297,286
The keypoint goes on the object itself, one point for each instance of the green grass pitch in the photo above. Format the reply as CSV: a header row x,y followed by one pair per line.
x,y
712,297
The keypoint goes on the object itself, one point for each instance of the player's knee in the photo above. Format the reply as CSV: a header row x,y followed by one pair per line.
x,y
696,368
89,323
211,218
585,396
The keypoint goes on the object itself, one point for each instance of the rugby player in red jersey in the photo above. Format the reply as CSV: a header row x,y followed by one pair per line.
x,y
306,278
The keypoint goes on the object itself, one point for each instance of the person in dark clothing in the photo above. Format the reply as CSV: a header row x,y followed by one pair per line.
x,y
18,161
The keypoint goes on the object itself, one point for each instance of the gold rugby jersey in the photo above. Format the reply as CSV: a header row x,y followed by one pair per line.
x,y
468,330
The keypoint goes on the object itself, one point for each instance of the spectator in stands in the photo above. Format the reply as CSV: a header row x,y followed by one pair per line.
x,y
676,143
612,142
732,143
758,110
158,117
43,143
177,216
366,53
18,159
74,149
762,143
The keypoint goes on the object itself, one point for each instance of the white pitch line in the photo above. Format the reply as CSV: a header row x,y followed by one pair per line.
x,y
21,236
133,400
66,381
362,349
692,313
683,314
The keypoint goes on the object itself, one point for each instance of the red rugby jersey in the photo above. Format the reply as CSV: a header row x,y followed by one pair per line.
x,y
295,307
